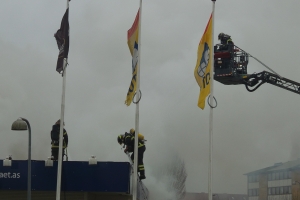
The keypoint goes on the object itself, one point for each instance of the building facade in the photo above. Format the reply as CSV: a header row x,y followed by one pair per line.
x,y
278,182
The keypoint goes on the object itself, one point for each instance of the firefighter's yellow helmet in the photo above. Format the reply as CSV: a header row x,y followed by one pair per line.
x,y
132,131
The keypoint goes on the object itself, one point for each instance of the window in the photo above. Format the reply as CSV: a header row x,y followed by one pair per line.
x,y
269,176
253,192
252,178
285,189
269,191
279,190
277,176
281,175
285,175
273,190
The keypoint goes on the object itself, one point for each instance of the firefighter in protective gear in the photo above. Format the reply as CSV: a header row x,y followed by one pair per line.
x,y
55,140
226,46
226,41
128,140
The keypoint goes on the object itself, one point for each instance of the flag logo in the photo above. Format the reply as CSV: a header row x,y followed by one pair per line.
x,y
135,57
204,61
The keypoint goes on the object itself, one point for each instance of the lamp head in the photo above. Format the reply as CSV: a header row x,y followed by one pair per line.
x,y
19,125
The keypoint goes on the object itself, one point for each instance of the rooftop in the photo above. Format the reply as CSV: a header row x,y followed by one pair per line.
x,y
278,167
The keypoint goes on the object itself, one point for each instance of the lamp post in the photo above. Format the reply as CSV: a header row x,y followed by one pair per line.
x,y
22,124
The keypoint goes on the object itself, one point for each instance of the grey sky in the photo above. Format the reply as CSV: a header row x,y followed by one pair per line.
x,y
251,130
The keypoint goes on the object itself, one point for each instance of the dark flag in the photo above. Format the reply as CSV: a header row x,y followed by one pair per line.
x,y
62,39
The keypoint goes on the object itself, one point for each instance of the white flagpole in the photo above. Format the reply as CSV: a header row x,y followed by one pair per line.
x,y
211,104
59,167
135,168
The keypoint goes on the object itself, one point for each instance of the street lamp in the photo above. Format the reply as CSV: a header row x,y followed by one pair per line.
x,y
22,124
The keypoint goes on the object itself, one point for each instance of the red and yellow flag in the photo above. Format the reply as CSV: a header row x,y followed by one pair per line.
x,y
132,41
203,65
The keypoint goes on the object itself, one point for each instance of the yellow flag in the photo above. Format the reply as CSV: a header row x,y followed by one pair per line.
x,y
132,41
203,65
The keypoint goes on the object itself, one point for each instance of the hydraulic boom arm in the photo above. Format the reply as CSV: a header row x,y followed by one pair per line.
x,y
256,80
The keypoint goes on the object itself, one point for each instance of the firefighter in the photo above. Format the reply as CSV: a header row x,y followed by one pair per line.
x,y
226,45
55,141
128,140
226,42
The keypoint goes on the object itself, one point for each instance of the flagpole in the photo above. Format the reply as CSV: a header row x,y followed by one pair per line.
x,y
135,164
211,108
60,157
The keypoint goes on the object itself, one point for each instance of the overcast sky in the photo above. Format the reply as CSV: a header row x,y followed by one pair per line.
x,y
251,130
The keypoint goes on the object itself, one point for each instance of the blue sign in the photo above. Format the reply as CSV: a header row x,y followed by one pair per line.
x,y
76,176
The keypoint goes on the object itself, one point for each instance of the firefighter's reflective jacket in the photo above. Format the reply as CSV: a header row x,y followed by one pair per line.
x,y
129,141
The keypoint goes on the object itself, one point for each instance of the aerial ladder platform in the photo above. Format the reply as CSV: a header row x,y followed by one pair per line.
x,y
230,68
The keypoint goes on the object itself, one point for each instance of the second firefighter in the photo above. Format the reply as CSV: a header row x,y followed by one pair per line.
x,y
128,140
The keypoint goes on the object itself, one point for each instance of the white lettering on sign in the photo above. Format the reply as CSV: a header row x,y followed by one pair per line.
x,y
9,175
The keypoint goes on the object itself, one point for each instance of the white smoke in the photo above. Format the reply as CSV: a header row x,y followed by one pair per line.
x,y
166,180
